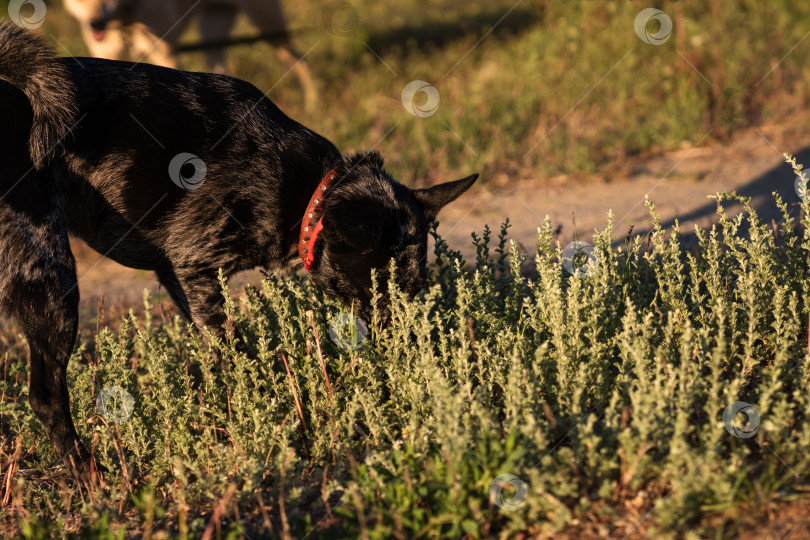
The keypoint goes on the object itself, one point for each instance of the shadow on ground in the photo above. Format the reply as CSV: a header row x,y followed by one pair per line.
x,y
779,179
420,33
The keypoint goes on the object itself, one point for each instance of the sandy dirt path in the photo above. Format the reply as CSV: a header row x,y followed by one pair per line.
x,y
677,182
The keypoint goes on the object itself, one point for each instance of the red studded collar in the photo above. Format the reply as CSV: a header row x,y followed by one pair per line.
x,y
309,227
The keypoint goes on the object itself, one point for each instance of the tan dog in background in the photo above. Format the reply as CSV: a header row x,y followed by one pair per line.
x,y
149,30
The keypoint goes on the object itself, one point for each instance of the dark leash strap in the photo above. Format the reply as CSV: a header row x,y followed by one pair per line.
x,y
272,37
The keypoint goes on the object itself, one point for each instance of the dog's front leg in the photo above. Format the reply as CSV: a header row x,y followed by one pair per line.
x,y
148,46
206,305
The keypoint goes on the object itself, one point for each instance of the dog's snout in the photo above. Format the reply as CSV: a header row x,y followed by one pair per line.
x,y
99,24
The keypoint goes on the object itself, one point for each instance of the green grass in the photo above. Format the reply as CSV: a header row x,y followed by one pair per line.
x,y
600,391
556,87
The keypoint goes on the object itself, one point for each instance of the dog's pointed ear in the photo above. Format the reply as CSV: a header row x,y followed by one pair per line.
x,y
437,197
354,224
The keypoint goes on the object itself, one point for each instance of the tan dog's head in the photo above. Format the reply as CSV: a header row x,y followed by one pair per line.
x,y
95,14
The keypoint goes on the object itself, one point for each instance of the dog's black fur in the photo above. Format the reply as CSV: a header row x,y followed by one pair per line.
x,y
85,146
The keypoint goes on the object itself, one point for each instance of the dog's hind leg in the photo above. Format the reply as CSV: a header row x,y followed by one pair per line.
x,y
38,279
288,55
268,16
40,292
51,335
216,22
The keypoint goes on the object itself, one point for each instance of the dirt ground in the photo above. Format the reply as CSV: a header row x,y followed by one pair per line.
x,y
769,521
678,182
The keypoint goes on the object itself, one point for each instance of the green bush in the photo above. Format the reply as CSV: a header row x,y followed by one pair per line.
x,y
593,389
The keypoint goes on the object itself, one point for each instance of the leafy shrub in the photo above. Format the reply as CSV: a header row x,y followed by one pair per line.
x,y
600,392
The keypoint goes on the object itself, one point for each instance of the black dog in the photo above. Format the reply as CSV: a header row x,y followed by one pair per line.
x,y
183,174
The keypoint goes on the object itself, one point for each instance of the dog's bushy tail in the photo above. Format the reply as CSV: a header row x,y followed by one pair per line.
x,y
28,63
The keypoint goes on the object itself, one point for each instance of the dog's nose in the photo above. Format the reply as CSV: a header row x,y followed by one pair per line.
x,y
98,25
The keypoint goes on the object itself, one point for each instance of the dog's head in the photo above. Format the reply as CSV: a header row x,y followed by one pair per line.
x,y
96,15
370,219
